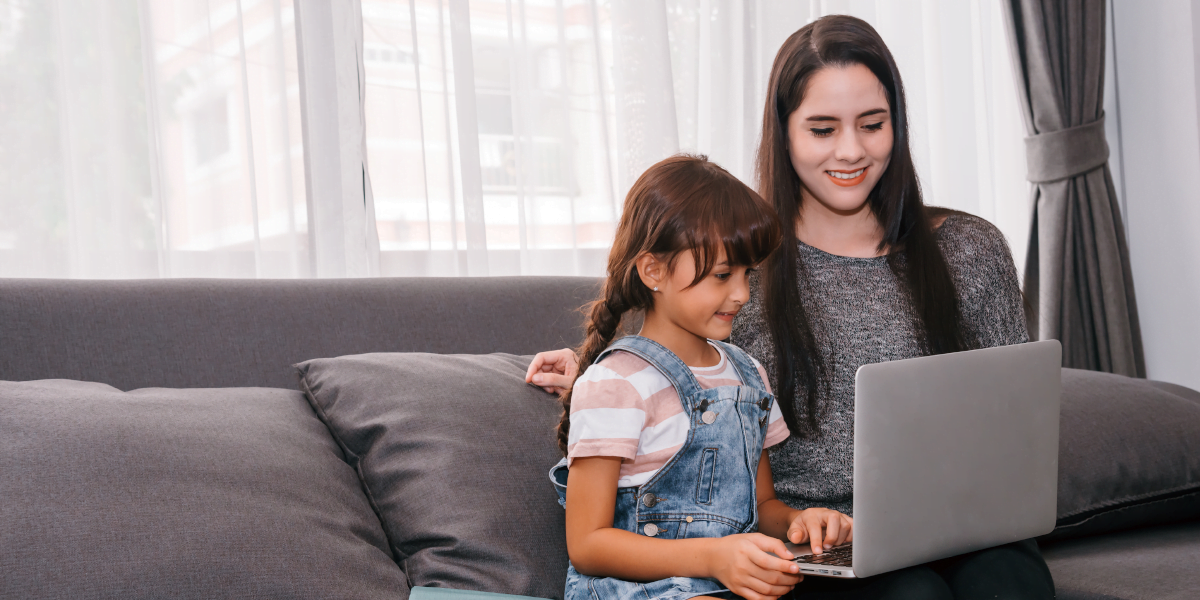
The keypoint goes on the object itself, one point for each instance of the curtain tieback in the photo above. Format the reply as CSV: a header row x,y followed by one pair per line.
x,y
1056,155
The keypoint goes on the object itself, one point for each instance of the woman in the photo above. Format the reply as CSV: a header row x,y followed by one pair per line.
x,y
866,274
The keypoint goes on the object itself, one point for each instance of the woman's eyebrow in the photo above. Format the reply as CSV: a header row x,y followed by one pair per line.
x,y
873,111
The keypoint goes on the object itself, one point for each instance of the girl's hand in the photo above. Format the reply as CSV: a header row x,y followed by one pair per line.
x,y
553,371
822,527
741,562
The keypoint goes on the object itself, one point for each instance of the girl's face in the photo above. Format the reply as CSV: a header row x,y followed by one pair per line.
x,y
706,309
840,137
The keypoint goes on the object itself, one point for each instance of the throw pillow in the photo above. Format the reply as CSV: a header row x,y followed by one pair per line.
x,y
1129,454
455,452
180,493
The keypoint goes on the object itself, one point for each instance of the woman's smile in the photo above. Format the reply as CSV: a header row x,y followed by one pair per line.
x,y
847,178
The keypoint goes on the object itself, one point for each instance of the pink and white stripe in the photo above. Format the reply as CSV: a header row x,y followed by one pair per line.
x,y
624,407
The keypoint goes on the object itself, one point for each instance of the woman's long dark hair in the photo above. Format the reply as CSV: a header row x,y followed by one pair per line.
x,y
914,256
683,203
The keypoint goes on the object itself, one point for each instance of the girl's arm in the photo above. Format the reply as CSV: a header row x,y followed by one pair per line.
x,y
822,527
598,549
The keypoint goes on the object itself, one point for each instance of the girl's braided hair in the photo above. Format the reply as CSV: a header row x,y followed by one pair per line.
x,y
682,203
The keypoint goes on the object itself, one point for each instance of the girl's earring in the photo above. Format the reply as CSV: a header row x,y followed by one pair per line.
x,y
655,288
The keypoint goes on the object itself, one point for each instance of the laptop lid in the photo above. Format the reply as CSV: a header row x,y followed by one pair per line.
x,y
954,453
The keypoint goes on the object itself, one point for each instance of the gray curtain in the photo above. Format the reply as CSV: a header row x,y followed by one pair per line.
x,y
1077,277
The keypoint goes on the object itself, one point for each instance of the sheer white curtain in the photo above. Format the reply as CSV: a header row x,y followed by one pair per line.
x,y
150,139
503,134
281,138
490,135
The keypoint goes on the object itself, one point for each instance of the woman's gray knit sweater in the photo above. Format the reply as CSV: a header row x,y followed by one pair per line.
x,y
860,315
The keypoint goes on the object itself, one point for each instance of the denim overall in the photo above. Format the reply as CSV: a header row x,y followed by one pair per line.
x,y
706,490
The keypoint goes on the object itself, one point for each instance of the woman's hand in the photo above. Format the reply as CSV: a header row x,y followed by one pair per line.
x,y
553,371
741,562
822,528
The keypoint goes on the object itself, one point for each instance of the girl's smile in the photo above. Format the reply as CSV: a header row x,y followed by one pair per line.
x,y
727,316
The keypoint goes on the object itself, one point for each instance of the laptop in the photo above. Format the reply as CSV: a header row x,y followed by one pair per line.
x,y
952,453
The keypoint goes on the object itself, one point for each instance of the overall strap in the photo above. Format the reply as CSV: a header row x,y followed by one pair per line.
x,y
674,369
744,365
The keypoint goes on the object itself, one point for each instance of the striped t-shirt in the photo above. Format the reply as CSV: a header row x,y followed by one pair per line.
x,y
622,406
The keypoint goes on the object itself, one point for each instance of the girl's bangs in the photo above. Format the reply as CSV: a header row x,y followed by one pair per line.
x,y
737,221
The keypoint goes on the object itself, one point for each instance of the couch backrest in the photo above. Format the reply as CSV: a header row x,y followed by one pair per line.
x,y
229,332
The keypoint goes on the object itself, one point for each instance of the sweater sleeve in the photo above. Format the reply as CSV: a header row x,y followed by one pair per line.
x,y
989,296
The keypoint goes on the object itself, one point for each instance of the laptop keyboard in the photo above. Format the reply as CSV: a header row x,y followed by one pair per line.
x,y
834,557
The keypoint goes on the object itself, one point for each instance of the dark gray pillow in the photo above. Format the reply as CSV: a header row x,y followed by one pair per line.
x,y
454,451
198,493
1129,454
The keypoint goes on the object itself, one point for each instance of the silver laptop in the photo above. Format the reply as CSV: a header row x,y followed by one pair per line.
x,y
952,453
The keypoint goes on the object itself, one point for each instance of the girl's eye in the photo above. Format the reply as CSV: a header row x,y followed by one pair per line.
x,y
822,132
721,276
874,126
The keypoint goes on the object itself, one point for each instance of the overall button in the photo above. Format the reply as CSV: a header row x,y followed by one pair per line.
x,y
708,417
703,405
765,403
689,519
651,529
650,500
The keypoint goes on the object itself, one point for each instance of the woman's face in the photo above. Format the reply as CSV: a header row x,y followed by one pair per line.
x,y
840,138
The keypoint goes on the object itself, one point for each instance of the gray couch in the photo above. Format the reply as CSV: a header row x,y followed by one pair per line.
x,y
186,458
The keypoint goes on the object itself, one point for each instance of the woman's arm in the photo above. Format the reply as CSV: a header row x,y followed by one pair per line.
x,y
598,549
985,278
822,527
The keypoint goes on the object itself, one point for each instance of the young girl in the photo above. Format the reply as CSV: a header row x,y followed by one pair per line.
x,y
666,482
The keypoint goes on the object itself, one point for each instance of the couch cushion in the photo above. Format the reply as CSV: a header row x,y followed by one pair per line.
x,y
161,493
454,451
1129,454
1155,563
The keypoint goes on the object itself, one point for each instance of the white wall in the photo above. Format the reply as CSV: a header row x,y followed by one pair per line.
x,y
1157,54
